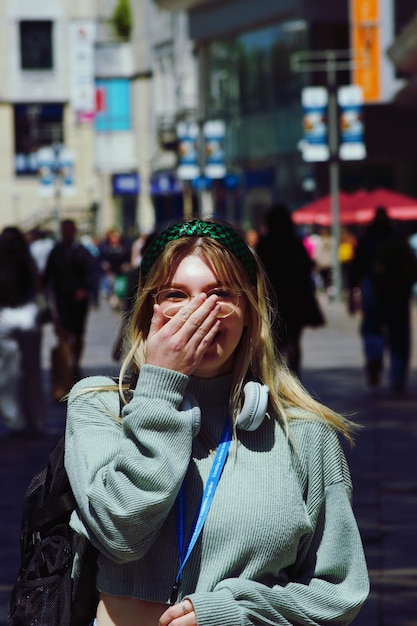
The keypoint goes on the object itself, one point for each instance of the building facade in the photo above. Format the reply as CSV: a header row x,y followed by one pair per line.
x,y
109,107
247,78
87,113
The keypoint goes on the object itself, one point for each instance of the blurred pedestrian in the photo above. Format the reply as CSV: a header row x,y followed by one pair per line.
x,y
412,240
92,244
136,250
115,256
129,300
22,398
69,279
40,245
385,269
346,253
309,242
289,269
324,259
252,238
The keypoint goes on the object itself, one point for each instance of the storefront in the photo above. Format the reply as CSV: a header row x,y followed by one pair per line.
x,y
125,190
167,196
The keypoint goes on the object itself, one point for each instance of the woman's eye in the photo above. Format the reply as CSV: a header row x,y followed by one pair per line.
x,y
222,294
176,296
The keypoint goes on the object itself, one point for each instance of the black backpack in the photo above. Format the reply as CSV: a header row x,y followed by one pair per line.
x,y
46,593
49,591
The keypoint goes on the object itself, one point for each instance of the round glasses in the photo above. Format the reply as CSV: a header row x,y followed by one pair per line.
x,y
171,300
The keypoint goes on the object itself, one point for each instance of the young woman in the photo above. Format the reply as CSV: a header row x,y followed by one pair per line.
x,y
190,531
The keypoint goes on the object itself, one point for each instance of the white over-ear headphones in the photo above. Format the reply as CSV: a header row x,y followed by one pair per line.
x,y
254,406
251,416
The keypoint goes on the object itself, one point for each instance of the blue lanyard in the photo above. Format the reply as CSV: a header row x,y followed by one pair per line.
x,y
208,494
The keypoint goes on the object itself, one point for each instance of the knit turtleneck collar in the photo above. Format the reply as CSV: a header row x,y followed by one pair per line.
x,y
212,395
211,392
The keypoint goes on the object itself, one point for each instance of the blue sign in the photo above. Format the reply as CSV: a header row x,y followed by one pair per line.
x,y
126,184
231,181
201,183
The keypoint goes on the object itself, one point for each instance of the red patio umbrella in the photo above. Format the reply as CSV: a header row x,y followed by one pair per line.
x,y
399,206
358,208
319,212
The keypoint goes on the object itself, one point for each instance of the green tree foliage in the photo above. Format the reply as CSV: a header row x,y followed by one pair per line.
x,y
121,19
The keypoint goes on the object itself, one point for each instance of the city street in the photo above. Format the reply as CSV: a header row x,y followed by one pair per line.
x,y
383,462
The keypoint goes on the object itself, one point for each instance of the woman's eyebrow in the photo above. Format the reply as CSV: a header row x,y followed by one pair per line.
x,y
184,287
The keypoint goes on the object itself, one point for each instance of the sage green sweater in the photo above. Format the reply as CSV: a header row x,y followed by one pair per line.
x,y
280,544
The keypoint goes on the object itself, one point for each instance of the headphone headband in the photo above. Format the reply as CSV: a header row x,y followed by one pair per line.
x,y
201,228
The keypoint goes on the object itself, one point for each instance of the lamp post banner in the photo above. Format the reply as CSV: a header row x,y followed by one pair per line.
x,y
188,164
351,145
315,141
214,134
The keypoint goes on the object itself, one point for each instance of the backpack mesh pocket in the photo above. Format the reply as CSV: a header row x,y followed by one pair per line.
x,y
42,594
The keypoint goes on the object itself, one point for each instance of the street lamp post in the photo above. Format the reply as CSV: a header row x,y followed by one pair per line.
x,y
331,61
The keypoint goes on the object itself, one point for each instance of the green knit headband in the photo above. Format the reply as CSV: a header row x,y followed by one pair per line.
x,y
199,228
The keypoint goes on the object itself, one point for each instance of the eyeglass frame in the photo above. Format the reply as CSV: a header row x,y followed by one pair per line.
x,y
212,291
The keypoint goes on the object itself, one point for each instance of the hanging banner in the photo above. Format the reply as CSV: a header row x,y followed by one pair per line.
x,y
315,143
126,184
365,36
188,168
214,133
82,40
351,143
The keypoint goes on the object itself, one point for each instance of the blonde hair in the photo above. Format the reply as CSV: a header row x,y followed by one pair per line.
x,y
255,358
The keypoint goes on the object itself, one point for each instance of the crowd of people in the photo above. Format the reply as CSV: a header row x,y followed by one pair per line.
x,y
378,266
44,280
57,281
210,360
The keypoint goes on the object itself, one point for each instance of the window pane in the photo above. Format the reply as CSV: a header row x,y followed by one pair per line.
x,y
35,126
251,72
36,45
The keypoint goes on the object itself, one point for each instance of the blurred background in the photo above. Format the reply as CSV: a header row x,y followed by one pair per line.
x,y
127,113
121,115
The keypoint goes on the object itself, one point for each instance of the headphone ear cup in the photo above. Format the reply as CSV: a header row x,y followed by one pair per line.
x,y
190,406
254,407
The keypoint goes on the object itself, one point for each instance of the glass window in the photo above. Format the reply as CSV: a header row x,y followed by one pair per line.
x,y
36,52
35,126
251,72
253,88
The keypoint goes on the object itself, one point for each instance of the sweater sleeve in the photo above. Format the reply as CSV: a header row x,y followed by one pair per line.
x,y
329,582
125,475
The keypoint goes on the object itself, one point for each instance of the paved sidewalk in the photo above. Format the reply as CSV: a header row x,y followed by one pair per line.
x,y
383,462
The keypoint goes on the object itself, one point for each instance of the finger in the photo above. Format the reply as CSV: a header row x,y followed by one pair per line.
x,y
186,311
180,613
205,313
157,320
205,331
191,316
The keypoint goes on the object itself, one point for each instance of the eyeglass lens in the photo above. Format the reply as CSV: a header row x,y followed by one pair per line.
x,y
172,300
